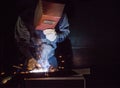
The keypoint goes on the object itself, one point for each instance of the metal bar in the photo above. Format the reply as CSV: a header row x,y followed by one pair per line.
x,y
57,78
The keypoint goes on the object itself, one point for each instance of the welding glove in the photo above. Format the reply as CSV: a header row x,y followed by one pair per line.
x,y
32,64
50,34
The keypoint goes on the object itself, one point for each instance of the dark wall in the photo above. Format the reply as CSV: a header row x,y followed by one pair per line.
x,y
7,47
95,26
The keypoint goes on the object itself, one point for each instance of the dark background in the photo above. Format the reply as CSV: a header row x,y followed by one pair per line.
x,y
94,26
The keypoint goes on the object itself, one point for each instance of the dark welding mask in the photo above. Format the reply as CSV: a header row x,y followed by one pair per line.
x,y
48,13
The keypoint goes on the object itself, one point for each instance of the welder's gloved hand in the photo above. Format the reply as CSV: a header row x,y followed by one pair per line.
x,y
31,64
50,34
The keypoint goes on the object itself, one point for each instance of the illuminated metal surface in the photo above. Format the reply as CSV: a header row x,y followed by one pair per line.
x,y
57,78
39,70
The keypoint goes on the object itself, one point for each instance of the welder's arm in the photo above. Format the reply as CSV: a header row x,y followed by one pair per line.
x,y
22,36
62,29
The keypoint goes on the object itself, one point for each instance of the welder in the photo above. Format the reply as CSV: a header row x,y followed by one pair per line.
x,y
41,24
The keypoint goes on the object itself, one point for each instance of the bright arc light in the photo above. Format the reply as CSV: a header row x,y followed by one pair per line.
x,y
38,70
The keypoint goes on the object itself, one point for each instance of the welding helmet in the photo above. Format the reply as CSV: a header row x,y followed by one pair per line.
x,y
48,13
